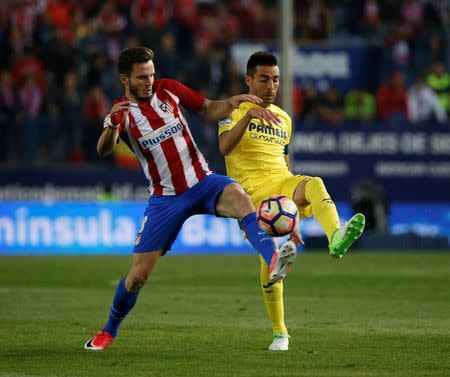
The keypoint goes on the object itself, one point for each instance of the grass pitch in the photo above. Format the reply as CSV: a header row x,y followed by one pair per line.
x,y
369,314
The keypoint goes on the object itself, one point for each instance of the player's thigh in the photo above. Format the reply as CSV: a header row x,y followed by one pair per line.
x,y
161,223
285,184
289,185
234,202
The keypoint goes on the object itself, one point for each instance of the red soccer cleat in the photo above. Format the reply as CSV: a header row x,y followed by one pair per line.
x,y
100,341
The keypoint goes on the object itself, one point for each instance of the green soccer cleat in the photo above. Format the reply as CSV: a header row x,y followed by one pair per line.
x,y
344,237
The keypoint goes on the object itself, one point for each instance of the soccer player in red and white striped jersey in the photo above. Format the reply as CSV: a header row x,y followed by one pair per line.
x,y
149,119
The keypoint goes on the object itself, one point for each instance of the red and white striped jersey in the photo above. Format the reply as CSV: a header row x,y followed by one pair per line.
x,y
160,137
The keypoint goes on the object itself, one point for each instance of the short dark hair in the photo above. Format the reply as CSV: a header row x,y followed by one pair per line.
x,y
133,55
260,58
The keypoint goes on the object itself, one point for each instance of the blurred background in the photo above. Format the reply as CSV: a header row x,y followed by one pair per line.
x,y
370,103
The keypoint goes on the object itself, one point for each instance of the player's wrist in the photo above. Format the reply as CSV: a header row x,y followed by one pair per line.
x,y
230,103
111,125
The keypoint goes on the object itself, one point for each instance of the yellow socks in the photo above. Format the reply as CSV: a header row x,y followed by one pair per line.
x,y
273,298
323,208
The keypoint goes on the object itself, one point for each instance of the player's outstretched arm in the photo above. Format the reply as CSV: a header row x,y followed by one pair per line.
x,y
215,110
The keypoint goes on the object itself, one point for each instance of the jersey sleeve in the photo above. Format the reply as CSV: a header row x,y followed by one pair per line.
x,y
289,129
226,124
189,98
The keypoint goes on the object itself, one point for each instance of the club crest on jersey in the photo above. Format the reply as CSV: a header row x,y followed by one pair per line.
x,y
167,107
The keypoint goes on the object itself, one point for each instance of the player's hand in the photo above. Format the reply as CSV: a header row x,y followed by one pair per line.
x,y
235,101
119,112
265,116
296,237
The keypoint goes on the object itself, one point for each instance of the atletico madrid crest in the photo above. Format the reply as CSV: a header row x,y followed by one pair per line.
x,y
167,107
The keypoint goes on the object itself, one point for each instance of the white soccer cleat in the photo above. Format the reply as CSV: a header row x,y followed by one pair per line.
x,y
280,342
281,262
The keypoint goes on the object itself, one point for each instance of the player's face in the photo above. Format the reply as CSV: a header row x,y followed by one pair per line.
x,y
139,84
264,83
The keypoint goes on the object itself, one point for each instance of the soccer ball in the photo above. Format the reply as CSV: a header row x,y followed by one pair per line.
x,y
277,215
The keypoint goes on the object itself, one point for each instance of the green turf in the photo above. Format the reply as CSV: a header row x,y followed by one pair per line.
x,y
369,314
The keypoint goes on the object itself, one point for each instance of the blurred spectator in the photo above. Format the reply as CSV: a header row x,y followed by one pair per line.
x,y
220,76
372,26
31,101
298,100
59,14
391,100
95,107
423,104
141,8
310,111
198,68
397,51
28,64
8,112
368,197
313,21
69,103
100,72
331,106
360,105
22,19
439,81
412,15
261,25
59,57
230,28
167,60
346,16
148,33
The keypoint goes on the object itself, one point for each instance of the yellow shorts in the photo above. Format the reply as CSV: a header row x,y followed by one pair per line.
x,y
282,184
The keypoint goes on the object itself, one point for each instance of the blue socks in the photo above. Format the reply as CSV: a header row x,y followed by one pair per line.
x,y
260,240
123,302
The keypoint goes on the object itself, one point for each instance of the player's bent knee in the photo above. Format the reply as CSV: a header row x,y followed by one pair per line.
x,y
316,181
241,203
234,202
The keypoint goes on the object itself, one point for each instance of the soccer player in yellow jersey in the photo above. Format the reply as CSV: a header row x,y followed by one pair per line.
x,y
257,156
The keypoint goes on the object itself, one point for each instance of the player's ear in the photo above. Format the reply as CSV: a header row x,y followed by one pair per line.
x,y
124,79
248,80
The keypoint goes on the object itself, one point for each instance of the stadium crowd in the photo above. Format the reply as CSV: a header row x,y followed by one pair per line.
x,y
57,70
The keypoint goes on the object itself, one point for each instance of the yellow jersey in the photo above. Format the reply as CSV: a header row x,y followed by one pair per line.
x,y
261,149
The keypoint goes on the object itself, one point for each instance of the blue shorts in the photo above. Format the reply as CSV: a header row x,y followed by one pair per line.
x,y
165,215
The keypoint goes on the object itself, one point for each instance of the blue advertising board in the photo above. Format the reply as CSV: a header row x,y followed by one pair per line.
x,y
409,163
423,219
344,67
83,228
102,228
